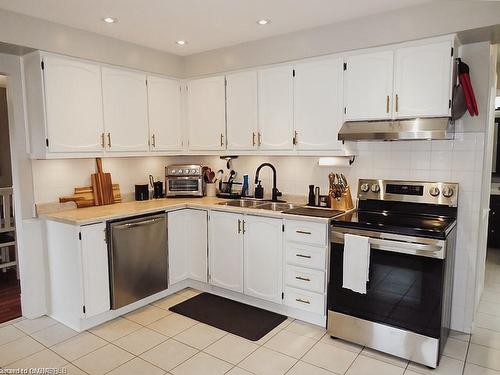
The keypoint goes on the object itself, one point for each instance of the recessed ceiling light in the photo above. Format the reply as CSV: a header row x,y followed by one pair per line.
x,y
110,19
263,22
181,42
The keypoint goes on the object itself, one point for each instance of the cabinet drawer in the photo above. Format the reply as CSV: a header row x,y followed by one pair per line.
x,y
305,232
306,256
305,278
304,300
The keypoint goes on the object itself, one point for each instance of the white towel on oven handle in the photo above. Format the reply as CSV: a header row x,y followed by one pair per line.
x,y
356,266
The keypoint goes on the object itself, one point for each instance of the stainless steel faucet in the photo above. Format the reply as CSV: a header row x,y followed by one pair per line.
x,y
275,192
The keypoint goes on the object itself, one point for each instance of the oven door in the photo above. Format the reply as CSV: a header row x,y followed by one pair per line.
x,y
184,186
405,287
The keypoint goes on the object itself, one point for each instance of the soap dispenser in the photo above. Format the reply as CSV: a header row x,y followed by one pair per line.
x,y
259,191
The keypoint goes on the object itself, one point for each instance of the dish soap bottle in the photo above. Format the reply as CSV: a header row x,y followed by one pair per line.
x,y
244,189
259,191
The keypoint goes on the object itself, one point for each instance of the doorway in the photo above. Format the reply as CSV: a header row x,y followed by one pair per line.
x,y
10,290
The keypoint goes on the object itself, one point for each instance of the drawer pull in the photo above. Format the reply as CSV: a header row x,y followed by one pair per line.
x,y
302,278
302,232
303,256
302,301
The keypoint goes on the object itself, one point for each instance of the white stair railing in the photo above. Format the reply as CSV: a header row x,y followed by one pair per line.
x,y
7,229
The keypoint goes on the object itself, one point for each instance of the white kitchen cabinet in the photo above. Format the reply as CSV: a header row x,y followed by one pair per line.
x,y
94,255
318,109
226,250
423,80
206,113
368,86
241,102
125,110
275,108
187,245
164,113
263,256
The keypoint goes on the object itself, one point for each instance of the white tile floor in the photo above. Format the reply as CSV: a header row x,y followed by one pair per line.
x,y
153,340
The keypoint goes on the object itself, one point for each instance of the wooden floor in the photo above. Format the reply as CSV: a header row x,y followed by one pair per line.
x,y
10,296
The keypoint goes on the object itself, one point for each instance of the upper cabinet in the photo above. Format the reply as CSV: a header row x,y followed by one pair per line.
x,y
368,81
164,111
125,110
206,114
241,108
276,108
317,107
404,81
423,80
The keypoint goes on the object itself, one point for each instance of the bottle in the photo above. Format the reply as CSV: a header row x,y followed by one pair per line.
x,y
259,191
316,196
310,200
244,189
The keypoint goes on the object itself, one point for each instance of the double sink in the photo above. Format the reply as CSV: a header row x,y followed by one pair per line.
x,y
260,205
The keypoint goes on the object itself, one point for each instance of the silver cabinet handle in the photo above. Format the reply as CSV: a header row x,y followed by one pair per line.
x,y
302,301
221,140
302,278
243,230
303,256
397,103
153,140
253,138
103,144
109,140
387,104
259,138
239,226
302,232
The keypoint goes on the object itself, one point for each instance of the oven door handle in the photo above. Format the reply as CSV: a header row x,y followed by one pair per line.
x,y
404,247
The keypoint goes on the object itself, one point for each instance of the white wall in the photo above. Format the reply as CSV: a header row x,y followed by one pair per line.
x,y
422,21
26,31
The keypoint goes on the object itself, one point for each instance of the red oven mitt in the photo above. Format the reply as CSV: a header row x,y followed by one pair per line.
x,y
464,78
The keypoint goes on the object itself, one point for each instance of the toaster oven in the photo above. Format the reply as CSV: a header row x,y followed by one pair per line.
x,y
183,180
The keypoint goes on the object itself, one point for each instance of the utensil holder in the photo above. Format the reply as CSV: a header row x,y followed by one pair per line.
x,y
342,203
210,189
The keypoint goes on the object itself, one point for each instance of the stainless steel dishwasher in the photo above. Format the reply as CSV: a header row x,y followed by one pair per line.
x,y
138,258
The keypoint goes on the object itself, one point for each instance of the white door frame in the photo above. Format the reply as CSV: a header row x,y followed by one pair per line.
x,y
29,239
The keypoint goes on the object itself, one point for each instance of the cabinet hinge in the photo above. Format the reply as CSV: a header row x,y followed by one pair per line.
x,y
47,142
42,64
80,236
451,51
282,295
345,66
83,309
293,73
449,103
282,227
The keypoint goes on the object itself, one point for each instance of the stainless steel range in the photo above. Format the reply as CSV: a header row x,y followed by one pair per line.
x,y
405,306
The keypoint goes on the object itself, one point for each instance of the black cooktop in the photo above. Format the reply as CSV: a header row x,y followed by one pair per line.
x,y
430,226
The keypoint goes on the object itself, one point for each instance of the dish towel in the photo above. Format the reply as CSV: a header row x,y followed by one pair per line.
x,y
356,263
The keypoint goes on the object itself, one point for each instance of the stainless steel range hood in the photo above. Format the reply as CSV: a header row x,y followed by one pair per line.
x,y
398,130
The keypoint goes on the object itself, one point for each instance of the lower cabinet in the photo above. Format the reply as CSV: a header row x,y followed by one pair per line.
x,y
263,257
187,245
226,250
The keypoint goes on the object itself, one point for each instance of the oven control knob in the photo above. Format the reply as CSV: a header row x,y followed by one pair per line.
x,y
375,188
365,187
434,191
448,191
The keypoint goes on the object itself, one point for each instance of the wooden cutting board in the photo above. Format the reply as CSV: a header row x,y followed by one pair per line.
x,y
84,196
102,186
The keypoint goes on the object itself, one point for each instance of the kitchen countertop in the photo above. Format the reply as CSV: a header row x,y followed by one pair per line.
x,y
83,216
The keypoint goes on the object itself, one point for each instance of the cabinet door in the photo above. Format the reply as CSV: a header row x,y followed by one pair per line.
x,y
125,110
318,108
368,86
241,92
276,108
178,246
226,250
206,113
423,80
94,255
164,109
73,105
263,258
197,224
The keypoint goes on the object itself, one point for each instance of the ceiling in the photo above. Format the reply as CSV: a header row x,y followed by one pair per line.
x,y
205,24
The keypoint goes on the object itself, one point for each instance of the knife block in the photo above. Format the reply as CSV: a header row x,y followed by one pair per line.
x,y
343,203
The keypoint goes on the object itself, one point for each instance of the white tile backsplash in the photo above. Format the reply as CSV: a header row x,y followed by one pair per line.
x,y
458,160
